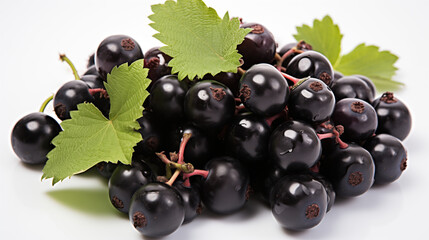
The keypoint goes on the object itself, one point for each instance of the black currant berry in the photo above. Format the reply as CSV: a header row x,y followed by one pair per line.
x,y
32,135
350,170
191,200
124,181
157,63
294,146
258,46
114,51
263,90
167,96
247,139
352,87
298,202
156,210
389,155
225,189
289,50
393,116
209,104
358,118
69,96
311,101
368,82
311,64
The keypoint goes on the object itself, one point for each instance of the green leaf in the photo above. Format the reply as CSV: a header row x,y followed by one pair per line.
x,y
199,41
89,138
369,61
324,37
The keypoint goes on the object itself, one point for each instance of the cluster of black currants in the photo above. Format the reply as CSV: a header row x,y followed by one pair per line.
x,y
285,127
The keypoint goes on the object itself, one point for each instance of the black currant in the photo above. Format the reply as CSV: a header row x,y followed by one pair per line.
x,y
389,155
393,116
311,101
263,90
125,180
225,189
294,146
209,104
358,118
156,210
350,170
311,64
69,95
352,87
32,135
157,63
167,96
114,51
298,202
258,46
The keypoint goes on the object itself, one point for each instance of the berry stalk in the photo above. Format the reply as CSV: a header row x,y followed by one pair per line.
x,y
64,58
45,103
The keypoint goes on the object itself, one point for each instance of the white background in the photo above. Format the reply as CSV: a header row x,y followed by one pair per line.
x,y
33,33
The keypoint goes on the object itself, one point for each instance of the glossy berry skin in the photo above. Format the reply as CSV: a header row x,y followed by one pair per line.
x,y
311,101
389,155
106,169
69,96
229,79
258,46
352,87
330,191
157,62
368,82
247,139
93,81
209,104
32,135
350,170
125,180
358,118
311,64
156,210
263,90
167,96
191,200
302,45
225,188
393,116
114,51
298,202
294,146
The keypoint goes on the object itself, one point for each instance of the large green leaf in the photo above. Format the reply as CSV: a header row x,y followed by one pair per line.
x,y
89,138
199,41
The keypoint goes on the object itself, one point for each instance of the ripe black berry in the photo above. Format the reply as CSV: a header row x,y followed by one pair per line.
x,y
32,135
114,51
156,210
258,46
263,90
393,116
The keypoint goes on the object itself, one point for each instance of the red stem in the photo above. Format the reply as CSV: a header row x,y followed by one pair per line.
x,y
288,53
185,139
289,77
203,173
99,90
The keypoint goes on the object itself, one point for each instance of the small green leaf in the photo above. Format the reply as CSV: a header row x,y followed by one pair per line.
x,y
324,37
89,138
369,61
197,39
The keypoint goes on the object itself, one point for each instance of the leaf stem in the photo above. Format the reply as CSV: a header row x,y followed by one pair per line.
x,y
64,58
45,103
